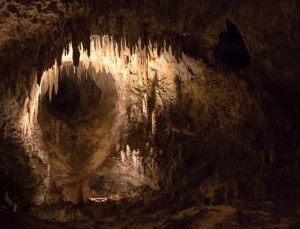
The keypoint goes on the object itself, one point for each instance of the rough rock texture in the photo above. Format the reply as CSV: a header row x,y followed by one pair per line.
x,y
199,100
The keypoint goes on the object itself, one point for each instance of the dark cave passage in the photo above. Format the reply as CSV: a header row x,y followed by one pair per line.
x,y
231,49
67,100
74,96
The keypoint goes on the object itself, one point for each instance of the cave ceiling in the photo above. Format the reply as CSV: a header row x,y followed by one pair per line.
x,y
41,30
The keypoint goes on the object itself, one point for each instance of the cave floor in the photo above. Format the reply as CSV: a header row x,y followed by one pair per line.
x,y
162,213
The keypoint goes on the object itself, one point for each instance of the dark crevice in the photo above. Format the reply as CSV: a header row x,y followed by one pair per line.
x,y
191,48
231,49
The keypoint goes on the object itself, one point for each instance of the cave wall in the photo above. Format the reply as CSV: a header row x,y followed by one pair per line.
x,y
25,166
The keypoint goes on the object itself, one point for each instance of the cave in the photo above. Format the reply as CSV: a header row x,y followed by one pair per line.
x,y
149,114
231,49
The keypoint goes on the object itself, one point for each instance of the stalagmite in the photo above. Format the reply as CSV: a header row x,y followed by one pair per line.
x,y
153,122
122,156
128,152
135,159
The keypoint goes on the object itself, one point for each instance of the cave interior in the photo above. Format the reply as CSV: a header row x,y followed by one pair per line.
x,y
149,114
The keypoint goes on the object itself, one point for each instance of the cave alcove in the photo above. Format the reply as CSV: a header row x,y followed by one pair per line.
x,y
67,100
74,95
231,49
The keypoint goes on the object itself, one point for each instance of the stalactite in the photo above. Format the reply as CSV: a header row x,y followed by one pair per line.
x,y
167,40
76,53
123,41
55,75
50,86
59,55
145,105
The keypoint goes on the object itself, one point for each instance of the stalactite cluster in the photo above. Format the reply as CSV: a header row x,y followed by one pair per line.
x,y
105,56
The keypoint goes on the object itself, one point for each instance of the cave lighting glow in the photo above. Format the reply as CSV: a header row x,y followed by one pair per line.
x,y
106,56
